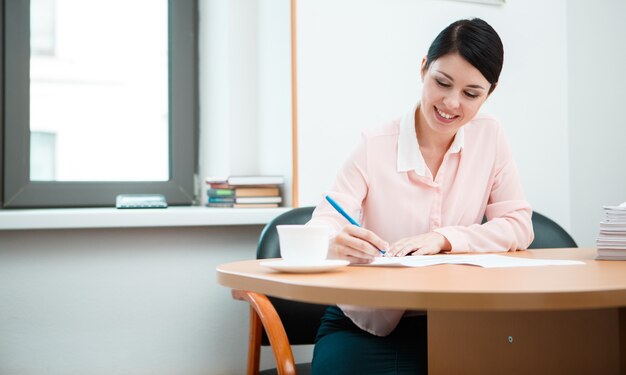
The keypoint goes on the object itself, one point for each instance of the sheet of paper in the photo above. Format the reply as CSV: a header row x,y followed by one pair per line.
x,y
481,260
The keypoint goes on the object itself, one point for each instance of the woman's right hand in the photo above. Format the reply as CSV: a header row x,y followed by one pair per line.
x,y
356,244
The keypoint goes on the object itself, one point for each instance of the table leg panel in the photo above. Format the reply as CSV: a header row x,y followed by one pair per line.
x,y
544,342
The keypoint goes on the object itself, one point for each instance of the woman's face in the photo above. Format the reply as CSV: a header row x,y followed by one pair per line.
x,y
453,92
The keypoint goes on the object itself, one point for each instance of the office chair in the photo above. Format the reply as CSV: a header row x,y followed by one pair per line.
x,y
275,321
549,234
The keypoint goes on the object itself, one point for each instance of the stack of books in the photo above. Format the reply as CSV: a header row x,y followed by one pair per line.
x,y
611,241
244,191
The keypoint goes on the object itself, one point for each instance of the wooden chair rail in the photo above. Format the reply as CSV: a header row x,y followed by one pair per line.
x,y
264,316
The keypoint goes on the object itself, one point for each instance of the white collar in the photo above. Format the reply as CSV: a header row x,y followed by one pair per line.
x,y
409,155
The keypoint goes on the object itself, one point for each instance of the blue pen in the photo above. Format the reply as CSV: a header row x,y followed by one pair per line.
x,y
343,213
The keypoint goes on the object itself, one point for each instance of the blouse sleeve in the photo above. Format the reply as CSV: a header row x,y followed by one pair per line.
x,y
509,226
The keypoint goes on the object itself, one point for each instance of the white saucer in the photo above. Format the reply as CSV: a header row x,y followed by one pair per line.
x,y
284,266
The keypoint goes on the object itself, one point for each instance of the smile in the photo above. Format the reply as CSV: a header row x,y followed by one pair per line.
x,y
445,115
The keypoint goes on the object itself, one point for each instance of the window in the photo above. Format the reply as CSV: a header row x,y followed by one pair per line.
x,y
99,99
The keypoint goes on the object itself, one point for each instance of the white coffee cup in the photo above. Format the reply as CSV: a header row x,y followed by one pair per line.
x,y
303,244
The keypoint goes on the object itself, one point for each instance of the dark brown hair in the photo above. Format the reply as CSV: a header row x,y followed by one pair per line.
x,y
476,41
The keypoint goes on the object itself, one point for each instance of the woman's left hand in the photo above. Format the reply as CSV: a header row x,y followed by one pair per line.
x,y
423,244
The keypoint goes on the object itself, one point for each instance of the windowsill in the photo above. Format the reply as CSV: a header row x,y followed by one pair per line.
x,y
69,218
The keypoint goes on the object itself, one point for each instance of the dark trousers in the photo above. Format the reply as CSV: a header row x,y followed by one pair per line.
x,y
342,348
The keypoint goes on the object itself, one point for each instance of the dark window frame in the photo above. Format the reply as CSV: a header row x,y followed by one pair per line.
x,y
17,191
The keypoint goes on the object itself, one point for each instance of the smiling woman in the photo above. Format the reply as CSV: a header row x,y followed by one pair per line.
x,y
436,171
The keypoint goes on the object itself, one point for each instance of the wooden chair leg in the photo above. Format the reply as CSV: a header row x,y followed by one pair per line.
x,y
262,310
254,343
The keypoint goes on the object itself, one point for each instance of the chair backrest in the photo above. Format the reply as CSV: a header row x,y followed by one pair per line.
x,y
301,320
549,234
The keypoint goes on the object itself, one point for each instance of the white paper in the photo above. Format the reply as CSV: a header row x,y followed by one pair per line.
x,y
611,241
481,260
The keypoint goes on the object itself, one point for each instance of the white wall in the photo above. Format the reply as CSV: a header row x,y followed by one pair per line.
x,y
274,91
245,89
125,301
358,66
228,81
596,61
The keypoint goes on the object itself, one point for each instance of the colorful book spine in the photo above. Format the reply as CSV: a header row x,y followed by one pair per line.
x,y
220,205
221,192
257,192
258,199
246,180
230,200
255,205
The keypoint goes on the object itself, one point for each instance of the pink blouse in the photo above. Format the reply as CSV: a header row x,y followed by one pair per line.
x,y
388,182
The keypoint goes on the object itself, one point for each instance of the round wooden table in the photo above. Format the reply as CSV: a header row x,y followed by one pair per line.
x,y
545,319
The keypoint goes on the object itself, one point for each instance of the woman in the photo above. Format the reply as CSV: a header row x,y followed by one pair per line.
x,y
423,184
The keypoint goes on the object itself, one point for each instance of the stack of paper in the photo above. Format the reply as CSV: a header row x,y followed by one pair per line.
x,y
611,242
